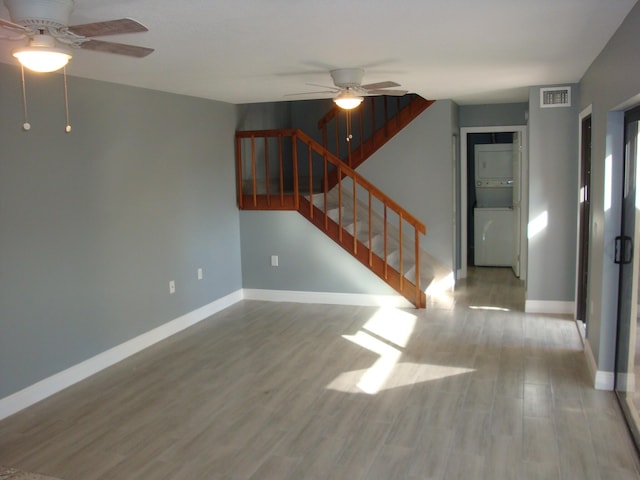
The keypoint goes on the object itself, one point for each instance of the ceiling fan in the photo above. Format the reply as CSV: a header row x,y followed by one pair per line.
x,y
349,88
45,24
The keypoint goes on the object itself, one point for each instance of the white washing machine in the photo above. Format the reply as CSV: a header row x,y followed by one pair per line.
x,y
493,232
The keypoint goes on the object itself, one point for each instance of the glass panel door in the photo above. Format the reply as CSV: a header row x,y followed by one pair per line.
x,y
627,256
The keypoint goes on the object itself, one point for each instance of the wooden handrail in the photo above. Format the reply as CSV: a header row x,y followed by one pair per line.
x,y
306,153
330,115
377,120
361,180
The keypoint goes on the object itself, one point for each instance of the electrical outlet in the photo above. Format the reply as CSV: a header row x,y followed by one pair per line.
x,y
200,275
274,260
172,286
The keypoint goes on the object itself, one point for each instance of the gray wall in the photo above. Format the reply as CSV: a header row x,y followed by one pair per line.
x,y
305,116
493,115
415,169
553,191
610,85
264,116
308,259
96,222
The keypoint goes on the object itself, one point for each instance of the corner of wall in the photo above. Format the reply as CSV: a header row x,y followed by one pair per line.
x,y
601,380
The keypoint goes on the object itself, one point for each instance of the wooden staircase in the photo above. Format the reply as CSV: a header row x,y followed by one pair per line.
x,y
431,271
288,170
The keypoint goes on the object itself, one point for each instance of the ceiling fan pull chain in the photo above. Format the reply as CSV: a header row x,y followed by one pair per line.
x,y
26,126
67,128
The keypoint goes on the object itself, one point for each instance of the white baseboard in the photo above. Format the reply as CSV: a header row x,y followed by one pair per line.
x,y
551,307
55,383
601,380
360,299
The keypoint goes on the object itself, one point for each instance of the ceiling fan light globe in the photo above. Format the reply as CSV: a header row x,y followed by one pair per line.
x,y
42,59
347,100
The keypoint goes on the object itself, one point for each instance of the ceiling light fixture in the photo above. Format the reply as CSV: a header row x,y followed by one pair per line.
x,y
347,100
42,55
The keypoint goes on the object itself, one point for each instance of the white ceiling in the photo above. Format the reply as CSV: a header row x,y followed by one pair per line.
x,y
242,51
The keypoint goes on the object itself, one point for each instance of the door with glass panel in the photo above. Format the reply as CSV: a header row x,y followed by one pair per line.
x,y
627,256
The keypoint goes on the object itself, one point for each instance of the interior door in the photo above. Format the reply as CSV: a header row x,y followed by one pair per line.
x,y
517,208
627,255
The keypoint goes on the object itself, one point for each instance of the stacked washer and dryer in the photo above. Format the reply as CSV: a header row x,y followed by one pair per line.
x,y
493,214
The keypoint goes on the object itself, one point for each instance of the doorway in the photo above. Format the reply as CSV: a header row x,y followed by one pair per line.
x,y
469,135
584,223
627,256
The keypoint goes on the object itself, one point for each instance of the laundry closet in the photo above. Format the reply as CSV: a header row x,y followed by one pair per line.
x,y
493,192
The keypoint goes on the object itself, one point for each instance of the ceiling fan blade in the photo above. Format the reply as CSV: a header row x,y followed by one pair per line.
x,y
393,93
13,26
118,48
376,86
332,89
110,27
309,93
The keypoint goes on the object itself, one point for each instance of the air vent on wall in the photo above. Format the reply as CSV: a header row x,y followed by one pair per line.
x,y
555,97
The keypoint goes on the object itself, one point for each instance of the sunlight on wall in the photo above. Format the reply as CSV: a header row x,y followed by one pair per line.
x,y
608,179
538,224
388,332
635,155
438,287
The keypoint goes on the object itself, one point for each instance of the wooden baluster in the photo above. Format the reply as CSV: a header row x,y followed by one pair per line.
x,y
386,236
281,169
326,192
294,155
361,142
310,167
340,203
239,171
386,116
417,242
337,119
400,264
370,231
355,218
253,170
373,116
349,137
266,168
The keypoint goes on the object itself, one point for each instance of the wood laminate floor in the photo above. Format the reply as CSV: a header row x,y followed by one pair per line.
x,y
292,391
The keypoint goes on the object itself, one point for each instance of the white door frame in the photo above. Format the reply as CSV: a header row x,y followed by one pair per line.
x,y
581,328
524,192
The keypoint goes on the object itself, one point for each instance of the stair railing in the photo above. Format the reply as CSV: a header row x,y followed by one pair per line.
x,y
352,135
288,170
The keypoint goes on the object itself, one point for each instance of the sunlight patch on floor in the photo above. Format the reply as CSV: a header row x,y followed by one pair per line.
x,y
386,334
392,324
487,307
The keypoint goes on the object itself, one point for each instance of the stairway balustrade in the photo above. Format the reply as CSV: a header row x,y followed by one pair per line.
x,y
354,135
289,170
